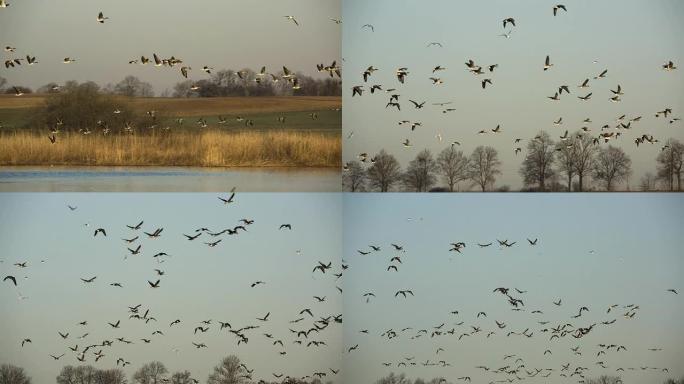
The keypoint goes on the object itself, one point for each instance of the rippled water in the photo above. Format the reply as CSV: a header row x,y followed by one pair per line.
x,y
167,179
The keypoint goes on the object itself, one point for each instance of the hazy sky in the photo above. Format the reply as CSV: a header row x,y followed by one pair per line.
x,y
632,39
217,33
200,282
636,258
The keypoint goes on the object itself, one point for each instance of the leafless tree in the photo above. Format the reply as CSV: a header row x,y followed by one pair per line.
x,y
670,164
605,380
538,164
11,374
568,153
132,86
612,166
150,373
82,374
648,182
229,371
110,376
585,155
394,379
181,378
385,172
484,166
354,177
453,166
420,173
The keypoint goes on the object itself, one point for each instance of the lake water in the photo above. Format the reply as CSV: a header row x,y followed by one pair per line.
x,y
167,179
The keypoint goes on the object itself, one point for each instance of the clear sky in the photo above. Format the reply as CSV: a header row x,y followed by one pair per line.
x,y
632,39
635,239
199,283
218,33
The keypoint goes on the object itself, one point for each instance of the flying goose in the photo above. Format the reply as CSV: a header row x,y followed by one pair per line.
x,y
292,18
547,63
101,19
585,98
368,26
557,7
669,66
68,60
508,20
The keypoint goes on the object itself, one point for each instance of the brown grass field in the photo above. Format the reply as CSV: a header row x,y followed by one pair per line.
x,y
302,143
209,148
194,107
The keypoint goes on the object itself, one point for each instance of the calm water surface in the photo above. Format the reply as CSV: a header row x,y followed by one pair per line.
x,y
167,179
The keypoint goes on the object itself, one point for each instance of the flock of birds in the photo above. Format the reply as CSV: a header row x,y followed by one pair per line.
x,y
110,342
286,75
554,329
609,131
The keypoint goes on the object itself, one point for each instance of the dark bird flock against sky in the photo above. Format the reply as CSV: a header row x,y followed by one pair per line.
x,y
527,297
173,300
606,69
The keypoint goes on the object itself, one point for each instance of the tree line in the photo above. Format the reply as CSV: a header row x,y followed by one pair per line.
x,y
229,371
222,83
568,165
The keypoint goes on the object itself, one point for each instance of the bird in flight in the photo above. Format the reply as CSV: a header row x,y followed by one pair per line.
x,y
265,318
101,19
557,7
507,21
368,26
285,226
292,18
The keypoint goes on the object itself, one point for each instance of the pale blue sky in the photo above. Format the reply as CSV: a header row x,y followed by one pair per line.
x,y
635,239
632,39
200,282
218,33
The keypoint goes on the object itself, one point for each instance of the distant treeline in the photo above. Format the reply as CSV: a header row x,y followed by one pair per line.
x,y
575,164
225,82
229,371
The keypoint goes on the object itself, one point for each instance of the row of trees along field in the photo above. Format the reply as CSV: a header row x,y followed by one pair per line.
x,y
548,166
225,82
228,371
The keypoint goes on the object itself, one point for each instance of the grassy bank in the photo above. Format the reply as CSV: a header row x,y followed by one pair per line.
x,y
208,148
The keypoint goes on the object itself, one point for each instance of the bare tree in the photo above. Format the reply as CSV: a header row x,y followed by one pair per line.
x,y
110,376
420,173
670,164
11,374
538,163
612,166
229,371
184,377
453,166
648,182
132,86
585,152
568,155
385,172
484,166
354,176
605,380
394,379
150,373
83,374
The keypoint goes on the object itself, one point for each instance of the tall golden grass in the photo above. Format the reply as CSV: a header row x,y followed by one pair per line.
x,y
205,149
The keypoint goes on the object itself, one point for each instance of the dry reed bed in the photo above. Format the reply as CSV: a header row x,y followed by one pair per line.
x,y
205,149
